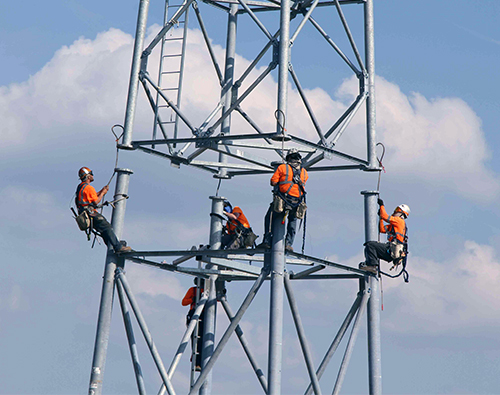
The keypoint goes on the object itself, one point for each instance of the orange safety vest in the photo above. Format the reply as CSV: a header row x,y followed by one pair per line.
x,y
283,176
241,220
85,196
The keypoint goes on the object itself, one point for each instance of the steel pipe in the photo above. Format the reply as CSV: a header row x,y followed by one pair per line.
x,y
145,331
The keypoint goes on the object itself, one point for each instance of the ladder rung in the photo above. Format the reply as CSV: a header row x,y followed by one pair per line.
x,y
172,56
169,89
166,123
170,72
163,106
174,39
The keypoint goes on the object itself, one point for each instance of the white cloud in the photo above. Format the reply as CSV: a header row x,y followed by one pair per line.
x,y
456,295
150,282
81,92
437,141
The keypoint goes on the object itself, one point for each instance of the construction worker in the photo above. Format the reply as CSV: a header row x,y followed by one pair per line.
x,y
190,299
288,181
87,199
396,247
237,232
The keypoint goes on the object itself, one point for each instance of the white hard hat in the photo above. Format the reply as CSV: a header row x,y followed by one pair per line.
x,y
405,209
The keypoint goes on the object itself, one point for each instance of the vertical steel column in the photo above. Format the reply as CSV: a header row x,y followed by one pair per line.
x,y
370,68
276,306
284,59
227,87
140,33
108,284
302,335
131,340
374,346
211,305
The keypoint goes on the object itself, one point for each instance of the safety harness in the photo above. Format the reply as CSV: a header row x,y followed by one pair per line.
x,y
292,202
296,180
246,235
402,260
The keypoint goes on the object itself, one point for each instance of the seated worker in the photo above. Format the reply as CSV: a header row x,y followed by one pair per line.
x,y
87,199
289,182
396,247
237,232
190,299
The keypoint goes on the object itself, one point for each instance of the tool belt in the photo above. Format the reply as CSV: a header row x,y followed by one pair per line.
x,y
282,203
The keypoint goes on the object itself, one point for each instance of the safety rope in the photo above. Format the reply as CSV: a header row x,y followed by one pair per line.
x,y
380,174
218,187
283,130
304,232
381,165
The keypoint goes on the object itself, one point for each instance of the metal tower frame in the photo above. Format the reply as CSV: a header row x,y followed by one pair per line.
x,y
236,157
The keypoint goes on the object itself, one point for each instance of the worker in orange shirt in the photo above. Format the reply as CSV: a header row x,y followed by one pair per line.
x,y
289,182
87,199
396,247
237,228
190,299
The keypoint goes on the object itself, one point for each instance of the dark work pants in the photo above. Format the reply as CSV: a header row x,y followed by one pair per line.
x,y
291,228
103,227
232,241
375,251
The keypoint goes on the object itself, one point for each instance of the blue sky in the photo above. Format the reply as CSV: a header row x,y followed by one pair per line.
x,y
63,82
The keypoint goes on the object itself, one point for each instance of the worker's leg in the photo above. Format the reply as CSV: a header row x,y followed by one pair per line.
x,y
104,228
375,250
226,240
291,227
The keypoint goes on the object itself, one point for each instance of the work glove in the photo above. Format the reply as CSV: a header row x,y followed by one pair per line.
x,y
380,202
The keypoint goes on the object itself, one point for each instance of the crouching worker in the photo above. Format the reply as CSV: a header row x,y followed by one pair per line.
x,y
191,298
86,201
237,231
289,182
396,248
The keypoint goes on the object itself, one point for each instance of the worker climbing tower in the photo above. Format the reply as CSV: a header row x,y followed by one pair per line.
x,y
211,144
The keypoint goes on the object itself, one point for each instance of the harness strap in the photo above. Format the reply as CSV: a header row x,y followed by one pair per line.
x,y
80,203
292,181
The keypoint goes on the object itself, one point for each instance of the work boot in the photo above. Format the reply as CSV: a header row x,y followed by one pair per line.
x,y
368,268
288,248
265,245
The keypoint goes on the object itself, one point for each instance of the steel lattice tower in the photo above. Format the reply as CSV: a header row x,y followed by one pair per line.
x,y
187,143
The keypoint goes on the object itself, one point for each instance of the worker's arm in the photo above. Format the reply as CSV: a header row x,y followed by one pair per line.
x,y
383,214
381,226
101,194
231,216
276,176
189,297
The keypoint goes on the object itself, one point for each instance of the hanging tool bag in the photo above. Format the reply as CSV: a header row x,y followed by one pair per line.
x,y
83,220
245,237
249,238
396,249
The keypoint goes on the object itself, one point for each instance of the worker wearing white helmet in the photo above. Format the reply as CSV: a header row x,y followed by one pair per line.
x,y
396,230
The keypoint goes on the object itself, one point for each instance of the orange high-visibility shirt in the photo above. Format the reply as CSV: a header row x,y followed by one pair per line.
x,y
86,195
396,227
280,176
190,297
231,225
